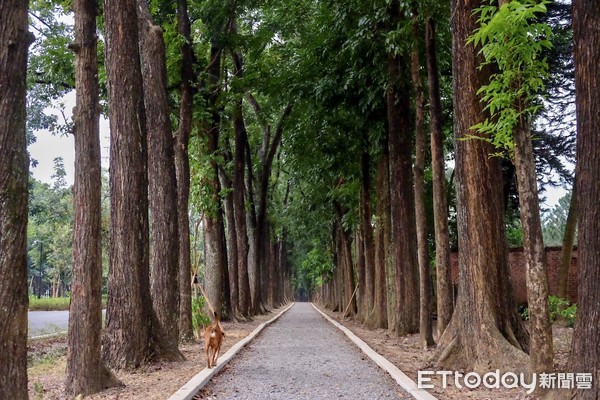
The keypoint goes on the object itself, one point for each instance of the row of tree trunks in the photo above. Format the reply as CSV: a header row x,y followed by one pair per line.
x,y
14,169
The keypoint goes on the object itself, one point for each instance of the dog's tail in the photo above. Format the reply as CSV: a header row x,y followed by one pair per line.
x,y
218,321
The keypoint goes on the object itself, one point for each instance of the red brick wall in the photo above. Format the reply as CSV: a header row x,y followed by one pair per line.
x,y
516,260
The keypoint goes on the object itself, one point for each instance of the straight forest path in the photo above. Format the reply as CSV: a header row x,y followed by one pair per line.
x,y
302,356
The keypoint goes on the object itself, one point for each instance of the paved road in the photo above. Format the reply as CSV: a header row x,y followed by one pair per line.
x,y
47,322
302,356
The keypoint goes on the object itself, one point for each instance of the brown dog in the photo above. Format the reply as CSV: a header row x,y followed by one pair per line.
x,y
213,337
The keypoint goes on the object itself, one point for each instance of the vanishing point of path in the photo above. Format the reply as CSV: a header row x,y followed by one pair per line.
x,y
302,356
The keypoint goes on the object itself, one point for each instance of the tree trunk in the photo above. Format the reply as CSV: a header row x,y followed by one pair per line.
x,y
267,155
585,349
164,260
86,372
245,298
232,249
540,327
344,254
367,231
14,170
382,244
359,254
485,331
214,231
402,201
182,172
425,323
127,336
567,244
440,200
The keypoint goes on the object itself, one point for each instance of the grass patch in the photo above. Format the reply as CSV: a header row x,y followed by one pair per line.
x,y
53,304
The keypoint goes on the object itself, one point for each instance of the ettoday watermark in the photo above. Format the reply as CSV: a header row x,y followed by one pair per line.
x,y
508,380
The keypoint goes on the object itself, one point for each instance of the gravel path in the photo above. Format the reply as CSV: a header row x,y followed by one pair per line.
x,y
302,356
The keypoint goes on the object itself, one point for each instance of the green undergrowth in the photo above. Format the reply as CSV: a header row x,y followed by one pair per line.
x,y
560,309
53,303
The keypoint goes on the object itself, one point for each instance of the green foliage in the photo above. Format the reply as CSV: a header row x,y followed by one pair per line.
x,y
511,39
559,308
199,318
53,303
570,315
555,220
48,303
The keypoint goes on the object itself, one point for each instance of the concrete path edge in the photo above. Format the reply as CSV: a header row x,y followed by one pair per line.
x,y
189,390
400,377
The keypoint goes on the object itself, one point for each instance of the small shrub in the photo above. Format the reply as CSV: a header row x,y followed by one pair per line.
x,y
199,318
557,305
570,315
558,308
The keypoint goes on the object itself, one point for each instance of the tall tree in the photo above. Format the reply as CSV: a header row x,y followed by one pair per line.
x,y
402,203
585,348
440,199
164,262
127,336
425,322
214,231
567,243
366,228
382,240
14,167
86,372
513,43
485,325
182,171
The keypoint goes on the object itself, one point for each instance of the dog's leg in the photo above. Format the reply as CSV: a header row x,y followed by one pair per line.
x,y
215,356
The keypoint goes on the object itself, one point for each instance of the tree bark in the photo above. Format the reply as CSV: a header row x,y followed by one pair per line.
x,y
485,331
214,231
164,262
540,327
182,172
14,169
425,322
127,336
344,261
585,348
382,236
567,244
444,291
367,231
232,249
402,201
86,372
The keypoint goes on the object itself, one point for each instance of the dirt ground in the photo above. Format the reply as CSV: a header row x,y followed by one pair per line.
x,y
47,364
409,357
